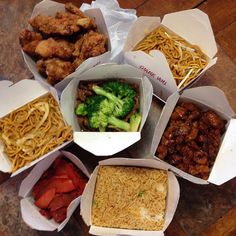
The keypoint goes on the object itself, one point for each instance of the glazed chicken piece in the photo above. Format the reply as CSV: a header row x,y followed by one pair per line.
x,y
29,41
55,69
55,48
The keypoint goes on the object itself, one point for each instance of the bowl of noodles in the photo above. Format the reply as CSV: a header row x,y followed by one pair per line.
x,y
168,52
31,125
129,197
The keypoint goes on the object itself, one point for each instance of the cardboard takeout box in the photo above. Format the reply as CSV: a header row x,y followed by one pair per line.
x,y
87,197
106,143
192,25
212,98
50,8
14,97
30,212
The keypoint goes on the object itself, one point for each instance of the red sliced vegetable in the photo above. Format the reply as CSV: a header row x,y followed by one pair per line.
x,y
45,199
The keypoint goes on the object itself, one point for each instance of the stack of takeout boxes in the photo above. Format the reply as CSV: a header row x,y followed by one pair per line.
x,y
151,75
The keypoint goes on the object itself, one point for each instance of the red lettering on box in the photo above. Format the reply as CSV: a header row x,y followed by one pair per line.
x,y
149,73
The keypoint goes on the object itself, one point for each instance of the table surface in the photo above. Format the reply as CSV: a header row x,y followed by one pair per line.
x,y
202,210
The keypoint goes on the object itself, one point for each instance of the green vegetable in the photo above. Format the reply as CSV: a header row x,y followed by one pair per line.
x,y
141,193
104,109
121,94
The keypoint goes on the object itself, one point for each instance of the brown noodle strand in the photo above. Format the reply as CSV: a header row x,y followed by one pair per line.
x,y
186,61
32,131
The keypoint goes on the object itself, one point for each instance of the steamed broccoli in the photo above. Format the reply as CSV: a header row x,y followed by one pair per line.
x,y
100,113
122,94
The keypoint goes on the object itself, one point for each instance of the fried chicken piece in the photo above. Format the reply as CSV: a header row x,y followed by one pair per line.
x,y
90,45
26,36
55,69
74,9
94,44
30,48
55,48
52,25
29,41
85,21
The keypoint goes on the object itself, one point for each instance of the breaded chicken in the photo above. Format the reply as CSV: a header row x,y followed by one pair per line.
x,y
29,41
55,69
51,25
55,48
26,36
94,44
90,45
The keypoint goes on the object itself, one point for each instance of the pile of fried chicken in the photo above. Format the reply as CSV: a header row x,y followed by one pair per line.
x,y
61,43
192,139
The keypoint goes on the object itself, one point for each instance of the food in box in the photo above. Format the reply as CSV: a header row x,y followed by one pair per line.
x,y
170,54
109,142
111,105
194,136
64,40
192,139
32,130
185,60
129,197
51,192
59,185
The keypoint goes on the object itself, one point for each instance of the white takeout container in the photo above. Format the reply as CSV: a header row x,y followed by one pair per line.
x,y
50,8
106,143
30,213
207,97
14,97
192,25
173,193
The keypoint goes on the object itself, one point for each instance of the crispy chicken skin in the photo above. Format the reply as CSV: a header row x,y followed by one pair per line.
x,y
90,45
55,69
54,48
29,41
52,25
74,9
94,44
26,36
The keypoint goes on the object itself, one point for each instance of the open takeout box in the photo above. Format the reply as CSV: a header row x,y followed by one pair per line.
x,y
106,143
207,97
87,197
192,25
30,212
50,8
14,97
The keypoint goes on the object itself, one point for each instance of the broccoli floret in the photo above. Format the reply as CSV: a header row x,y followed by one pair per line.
x,y
121,94
81,110
135,121
99,111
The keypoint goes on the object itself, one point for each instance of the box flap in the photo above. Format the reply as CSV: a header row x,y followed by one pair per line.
x,y
156,68
105,143
140,29
16,95
4,84
224,167
195,27
210,96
